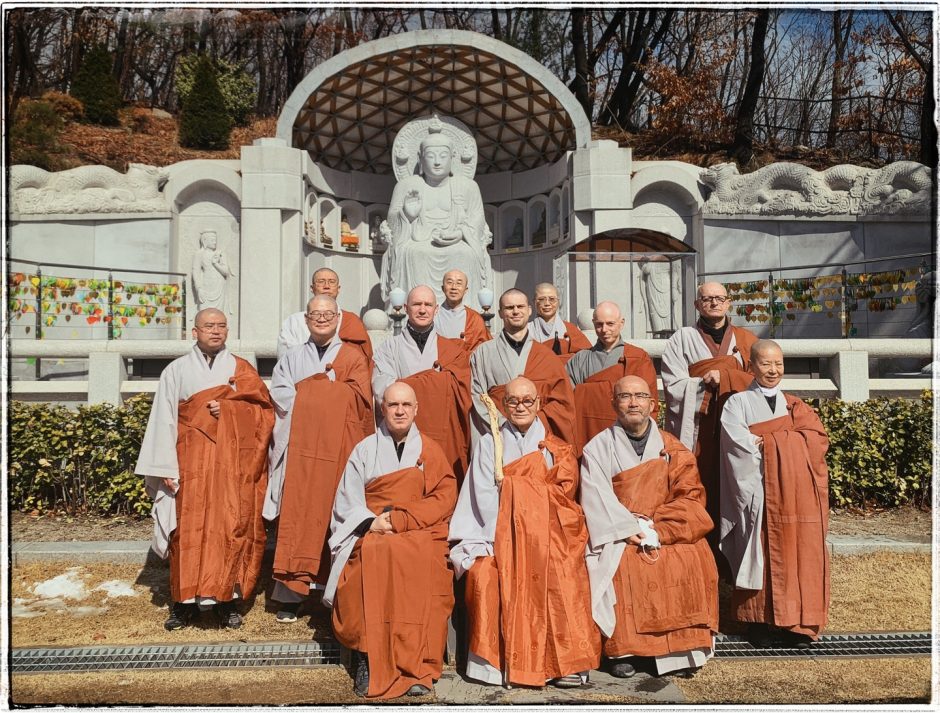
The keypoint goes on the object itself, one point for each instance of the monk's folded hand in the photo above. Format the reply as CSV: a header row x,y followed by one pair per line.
x,y
172,484
712,378
382,524
214,408
759,441
634,540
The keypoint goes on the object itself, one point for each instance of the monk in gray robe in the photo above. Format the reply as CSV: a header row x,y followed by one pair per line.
x,y
514,353
775,507
701,367
454,319
438,369
548,328
654,584
527,592
594,372
350,328
390,587
204,449
323,399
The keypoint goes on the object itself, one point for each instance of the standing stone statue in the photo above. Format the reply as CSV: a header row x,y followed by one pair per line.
x,y
436,214
210,272
659,296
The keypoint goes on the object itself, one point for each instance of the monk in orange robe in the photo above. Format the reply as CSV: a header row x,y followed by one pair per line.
x,y
324,406
390,587
454,319
519,536
438,369
562,337
594,372
204,449
515,353
701,367
654,583
351,329
775,507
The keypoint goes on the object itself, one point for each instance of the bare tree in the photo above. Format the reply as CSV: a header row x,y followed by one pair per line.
x,y
742,147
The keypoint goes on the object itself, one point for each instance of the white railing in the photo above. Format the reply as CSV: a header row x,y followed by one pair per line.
x,y
107,370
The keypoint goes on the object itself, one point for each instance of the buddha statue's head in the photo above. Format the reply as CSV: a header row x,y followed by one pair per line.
x,y
208,239
436,154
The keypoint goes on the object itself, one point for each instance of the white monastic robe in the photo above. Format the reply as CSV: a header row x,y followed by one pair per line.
x,y
398,358
294,331
742,482
610,524
473,525
684,393
297,364
493,363
372,458
451,323
183,377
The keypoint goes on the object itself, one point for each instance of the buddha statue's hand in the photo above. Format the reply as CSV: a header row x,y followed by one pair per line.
x,y
412,204
442,238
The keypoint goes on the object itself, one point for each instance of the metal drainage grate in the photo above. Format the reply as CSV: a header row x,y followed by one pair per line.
x,y
105,658
829,645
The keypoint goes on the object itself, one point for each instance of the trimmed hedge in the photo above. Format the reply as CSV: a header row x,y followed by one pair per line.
x,y
83,460
204,122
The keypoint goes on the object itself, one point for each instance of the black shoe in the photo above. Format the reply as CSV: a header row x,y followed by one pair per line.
x,y
792,640
361,682
760,636
621,669
229,618
287,614
418,690
684,672
180,616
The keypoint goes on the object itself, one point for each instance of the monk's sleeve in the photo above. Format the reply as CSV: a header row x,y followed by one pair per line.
x,y
817,440
157,458
567,477
384,374
436,506
684,393
358,379
473,526
607,519
477,387
682,519
285,338
283,389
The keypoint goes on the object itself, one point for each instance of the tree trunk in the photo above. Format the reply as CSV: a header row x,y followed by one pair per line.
x,y
928,127
742,148
579,85
840,37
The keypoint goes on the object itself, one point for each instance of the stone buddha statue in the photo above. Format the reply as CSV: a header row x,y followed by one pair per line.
x,y
435,215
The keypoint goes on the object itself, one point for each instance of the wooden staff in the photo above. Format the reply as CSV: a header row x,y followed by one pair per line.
x,y
497,437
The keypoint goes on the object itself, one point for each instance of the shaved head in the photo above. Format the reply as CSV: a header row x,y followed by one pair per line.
x,y
399,408
631,383
520,387
546,300
420,307
764,346
521,402
400,391
512,292
711,288
767,363
608,324
325,282
607,310
633,412
207,314
422,293
324,302
455,275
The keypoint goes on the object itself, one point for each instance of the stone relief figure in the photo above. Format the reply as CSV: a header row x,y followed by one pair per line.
x,y
903,187
435,214
926,294
659,297
88,189
210,273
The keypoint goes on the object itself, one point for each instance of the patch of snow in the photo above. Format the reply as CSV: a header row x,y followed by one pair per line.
x,y
68,585
117,588
21,610
86,611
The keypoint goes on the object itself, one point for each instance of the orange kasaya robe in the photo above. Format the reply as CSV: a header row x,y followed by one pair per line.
x,y
353,332
474,331
546,371
444,402
795,594
219,539
396,592
734,378
593,398
328,420
529,605
573,342
670,605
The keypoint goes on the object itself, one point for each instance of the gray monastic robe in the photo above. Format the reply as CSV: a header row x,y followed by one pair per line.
x,y
451,323
742,483
543,331
493,363
610,524
183,377
398,358
587,362
297,364
372,458
684,393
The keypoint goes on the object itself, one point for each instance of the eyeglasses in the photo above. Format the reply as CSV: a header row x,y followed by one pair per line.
x,y
547,300
528,403
326,281
212,327
714,300
627,396
321,316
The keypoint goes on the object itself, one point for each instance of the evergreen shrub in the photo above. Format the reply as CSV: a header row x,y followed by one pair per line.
x,y
83,460
204,122
34,136
96,87
237,86
67,106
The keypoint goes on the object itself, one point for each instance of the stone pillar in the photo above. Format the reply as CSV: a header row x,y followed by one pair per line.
x,y
271,236
106,372
850,372
601,177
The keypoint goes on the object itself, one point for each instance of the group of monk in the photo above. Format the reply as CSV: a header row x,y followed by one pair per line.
x,y
520,478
